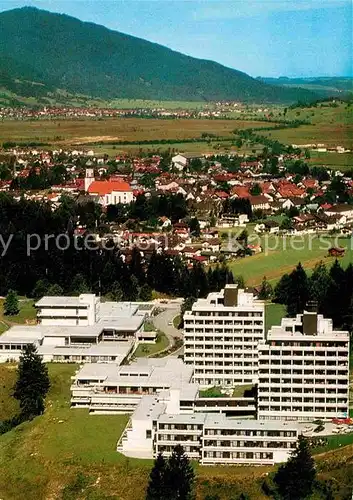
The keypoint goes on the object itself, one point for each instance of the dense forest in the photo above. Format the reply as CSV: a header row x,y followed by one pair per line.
x,y
67,265
330,290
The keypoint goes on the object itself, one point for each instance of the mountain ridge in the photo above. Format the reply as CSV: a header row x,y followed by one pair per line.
x,y
62,52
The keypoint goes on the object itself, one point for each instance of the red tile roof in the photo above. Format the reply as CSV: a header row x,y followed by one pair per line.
x,y
106,187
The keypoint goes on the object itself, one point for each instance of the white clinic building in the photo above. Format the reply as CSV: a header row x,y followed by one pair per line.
x,y
304,370
78,329
68,311
158,424
221,337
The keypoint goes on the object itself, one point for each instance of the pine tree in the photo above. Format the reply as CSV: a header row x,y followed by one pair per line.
x,y
157,487
319,283
145,293
11,304
79,285
281,290
40,289
298,291
32,383
55,291
180,476
116,293
265,290
295,479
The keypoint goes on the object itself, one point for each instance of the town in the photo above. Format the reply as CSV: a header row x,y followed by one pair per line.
x,y
176,251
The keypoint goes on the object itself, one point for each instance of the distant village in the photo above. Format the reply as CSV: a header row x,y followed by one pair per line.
x,y
220,192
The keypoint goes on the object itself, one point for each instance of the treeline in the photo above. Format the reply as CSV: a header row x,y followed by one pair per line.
x,y
237,206
32,265
173,206
330,289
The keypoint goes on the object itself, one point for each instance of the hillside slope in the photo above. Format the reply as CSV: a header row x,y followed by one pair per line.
x,y
59,51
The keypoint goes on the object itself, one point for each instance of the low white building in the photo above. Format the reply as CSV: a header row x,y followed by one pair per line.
x,y
78,329
157,426
119,389
304,370
68,311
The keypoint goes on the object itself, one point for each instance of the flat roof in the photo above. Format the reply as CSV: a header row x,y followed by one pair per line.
x,y
40,331
149,408
60,302
221,421
120,323
183,418
117,309
171,373
118,349
96,371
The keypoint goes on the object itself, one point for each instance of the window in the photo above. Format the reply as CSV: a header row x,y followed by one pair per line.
x,y
148,434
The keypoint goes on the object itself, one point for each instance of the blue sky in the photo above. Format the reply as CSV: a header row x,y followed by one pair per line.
x,y
260,37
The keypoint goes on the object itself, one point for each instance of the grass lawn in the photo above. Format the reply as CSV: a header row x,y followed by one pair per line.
x,y
281,259
144,350
8,405
335,441
39,458
176,321
274,314
69,454
3,327
239,390
27,313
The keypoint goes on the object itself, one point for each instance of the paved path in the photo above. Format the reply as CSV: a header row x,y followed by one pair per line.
x,y
161,322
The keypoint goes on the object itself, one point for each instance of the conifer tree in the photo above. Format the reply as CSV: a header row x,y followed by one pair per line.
x,y
11,305
181,476
157,487
295,479
265,290
32,383
298,291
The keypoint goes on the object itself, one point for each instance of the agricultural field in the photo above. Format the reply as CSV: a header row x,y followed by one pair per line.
x,y
284,253
38,462
88,131
339,161
332,126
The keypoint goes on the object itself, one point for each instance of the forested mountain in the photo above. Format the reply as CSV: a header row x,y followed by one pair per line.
x,y
41,51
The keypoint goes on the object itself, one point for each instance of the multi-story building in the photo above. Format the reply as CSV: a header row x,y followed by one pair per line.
x,y
157,426
78,329
304,370
221,337
110,388
68,311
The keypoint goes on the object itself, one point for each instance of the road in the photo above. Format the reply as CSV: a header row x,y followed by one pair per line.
x,y
162,320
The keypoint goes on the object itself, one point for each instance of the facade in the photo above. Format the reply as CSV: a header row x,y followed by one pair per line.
x,y
78,329
68,311
157,426
304,370
113,389
119,389
221,335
